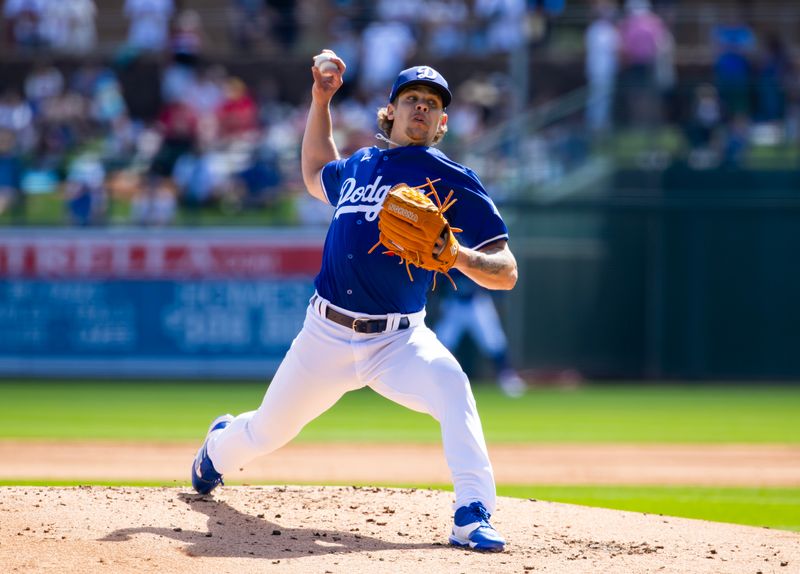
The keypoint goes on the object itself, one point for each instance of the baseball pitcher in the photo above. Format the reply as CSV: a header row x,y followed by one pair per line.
x,y
405,215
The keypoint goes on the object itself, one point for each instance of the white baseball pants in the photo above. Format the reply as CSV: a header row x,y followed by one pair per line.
x,y
410,367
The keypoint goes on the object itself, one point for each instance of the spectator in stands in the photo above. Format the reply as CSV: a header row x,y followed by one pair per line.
x,y
386,46
177,124
237,116
208,91
68,113
247,23
48,156
109,110
154,206
704,128
602,47
737,140
643,38
666,71
359,12
16,116
773,80
793,106
540,16
194,178
734,42
502,23
261,179
178,127
69,27
207,94
479,97
23,23
177,81
186,38
54,25
85,191
444,25
105,94
149,24
61,120
10,171
44,82
83,29
409,12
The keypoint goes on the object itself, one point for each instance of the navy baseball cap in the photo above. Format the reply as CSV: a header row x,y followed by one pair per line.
x,y
426,76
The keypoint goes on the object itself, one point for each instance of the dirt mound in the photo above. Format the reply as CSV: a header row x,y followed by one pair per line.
x,y
305,463
339,529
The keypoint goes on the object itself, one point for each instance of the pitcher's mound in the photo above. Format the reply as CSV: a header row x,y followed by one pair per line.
x,y
353,530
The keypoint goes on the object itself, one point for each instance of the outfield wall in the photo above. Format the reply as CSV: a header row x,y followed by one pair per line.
x,y
689,282
192,303
679,288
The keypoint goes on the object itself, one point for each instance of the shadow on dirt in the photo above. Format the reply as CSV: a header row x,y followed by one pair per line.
x,y
234,534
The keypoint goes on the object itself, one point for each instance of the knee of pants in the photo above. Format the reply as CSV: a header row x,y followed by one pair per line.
x,y
450,392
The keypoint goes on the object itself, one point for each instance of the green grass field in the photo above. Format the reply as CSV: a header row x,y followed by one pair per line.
x,y
169,411
719,414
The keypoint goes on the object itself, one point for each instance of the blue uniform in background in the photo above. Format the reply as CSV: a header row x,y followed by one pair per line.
x,y
471,310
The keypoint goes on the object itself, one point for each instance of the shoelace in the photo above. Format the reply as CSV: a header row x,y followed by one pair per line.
x,y
480,512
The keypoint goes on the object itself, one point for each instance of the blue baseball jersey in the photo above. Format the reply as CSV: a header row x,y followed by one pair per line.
x,y
374,283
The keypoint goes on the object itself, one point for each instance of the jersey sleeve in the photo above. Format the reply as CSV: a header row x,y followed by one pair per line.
x,y
331,180
476,214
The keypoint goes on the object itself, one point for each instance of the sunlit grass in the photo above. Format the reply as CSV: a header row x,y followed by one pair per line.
x,y
176,411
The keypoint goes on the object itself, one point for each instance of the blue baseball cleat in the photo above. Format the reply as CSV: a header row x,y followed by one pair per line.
x,y
205,477
471,529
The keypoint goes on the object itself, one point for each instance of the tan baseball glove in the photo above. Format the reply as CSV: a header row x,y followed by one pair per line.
x,y
414,228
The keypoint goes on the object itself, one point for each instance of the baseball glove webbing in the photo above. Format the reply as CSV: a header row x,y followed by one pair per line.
x,y
412,227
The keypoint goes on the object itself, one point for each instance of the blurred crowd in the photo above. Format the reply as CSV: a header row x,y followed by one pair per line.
x,y
212,143
215,140
751,96
446,27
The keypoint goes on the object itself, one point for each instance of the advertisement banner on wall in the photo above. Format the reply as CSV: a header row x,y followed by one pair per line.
x,y
199,303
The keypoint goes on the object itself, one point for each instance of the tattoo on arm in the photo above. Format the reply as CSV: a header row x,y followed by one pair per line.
x,y
493,266
488,264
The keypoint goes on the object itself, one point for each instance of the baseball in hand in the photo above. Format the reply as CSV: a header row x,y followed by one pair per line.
x,y
324,64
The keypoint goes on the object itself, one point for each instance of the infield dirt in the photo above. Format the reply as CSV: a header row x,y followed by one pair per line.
x,y
347,530
418,464
352,530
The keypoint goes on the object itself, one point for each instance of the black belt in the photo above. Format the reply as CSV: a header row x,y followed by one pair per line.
x,y
362,324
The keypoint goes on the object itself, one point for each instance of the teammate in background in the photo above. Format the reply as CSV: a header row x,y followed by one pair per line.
x,y
471,309
365,324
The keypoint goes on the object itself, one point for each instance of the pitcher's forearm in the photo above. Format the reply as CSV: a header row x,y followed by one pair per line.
x,y
493,268
318,146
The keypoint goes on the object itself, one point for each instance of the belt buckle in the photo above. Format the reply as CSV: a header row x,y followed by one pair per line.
x,y
357,320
